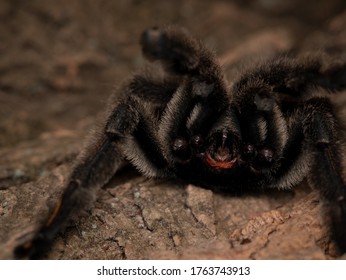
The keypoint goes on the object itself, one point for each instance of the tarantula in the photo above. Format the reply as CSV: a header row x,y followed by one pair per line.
x,y
268,130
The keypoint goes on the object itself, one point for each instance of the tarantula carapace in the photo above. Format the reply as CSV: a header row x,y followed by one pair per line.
x,y
270,129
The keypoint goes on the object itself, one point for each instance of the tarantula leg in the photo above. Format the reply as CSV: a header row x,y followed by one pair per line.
x,y
92,171
296,77
172,129
263,128
136,118
202,98
94,167
123,120
156,90
272,129
320,128
174,47
188,117
180,53
327,179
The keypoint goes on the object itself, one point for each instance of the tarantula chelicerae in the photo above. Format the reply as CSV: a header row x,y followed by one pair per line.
x,y
270,129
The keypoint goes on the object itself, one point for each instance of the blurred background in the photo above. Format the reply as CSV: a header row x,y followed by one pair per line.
x,y
60,60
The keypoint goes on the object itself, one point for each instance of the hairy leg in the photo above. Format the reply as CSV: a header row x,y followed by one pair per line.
x,y
322,131
125,125
297,77
199,101
93,168
314,148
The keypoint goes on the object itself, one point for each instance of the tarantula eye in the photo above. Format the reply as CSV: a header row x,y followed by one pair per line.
x,y
266,154
181,150
249,150
197,140
180,144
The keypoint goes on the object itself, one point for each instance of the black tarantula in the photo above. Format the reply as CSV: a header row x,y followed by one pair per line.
x,y
268,130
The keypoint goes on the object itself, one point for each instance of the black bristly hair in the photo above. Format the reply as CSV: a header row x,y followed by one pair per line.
x,y
269,130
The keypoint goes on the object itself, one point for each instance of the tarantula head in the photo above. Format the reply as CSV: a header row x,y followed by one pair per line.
x,y
221,151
